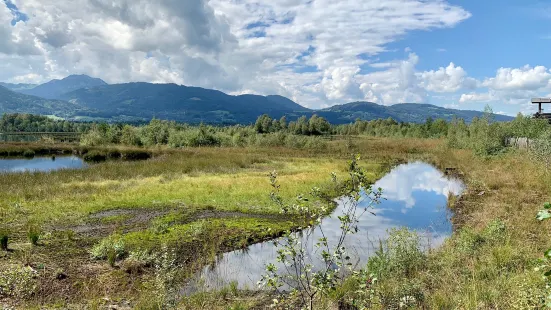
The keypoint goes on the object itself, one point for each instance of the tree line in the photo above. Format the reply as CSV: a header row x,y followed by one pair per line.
x,y
482,134
39,123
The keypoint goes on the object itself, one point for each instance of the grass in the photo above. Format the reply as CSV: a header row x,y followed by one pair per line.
x,y
489,262
201,201
198,201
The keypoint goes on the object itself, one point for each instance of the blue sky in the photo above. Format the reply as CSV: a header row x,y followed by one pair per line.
x,y
506,33
460,54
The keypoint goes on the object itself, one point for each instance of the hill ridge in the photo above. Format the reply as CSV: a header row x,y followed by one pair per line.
x,y
141,101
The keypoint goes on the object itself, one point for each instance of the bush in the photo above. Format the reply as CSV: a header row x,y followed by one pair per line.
x,y
400,255
540,149
112,248
203,137
138,260
93,138
33,234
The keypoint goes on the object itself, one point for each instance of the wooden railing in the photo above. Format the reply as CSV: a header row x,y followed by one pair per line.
x,y
34,136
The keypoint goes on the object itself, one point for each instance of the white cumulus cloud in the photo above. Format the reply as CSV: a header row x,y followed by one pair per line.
x,y
313,51
525,78
447,80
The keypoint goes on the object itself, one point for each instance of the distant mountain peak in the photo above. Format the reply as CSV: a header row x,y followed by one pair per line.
x,y
81,77
55,88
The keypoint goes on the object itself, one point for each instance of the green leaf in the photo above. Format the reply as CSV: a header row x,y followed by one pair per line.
x,y
543,215
547,205
548,273
548,253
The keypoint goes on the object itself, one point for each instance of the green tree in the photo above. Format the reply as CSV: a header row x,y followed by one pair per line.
x,y
283,122
129,136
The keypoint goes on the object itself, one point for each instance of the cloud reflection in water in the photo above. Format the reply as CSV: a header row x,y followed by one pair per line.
x,y
415,197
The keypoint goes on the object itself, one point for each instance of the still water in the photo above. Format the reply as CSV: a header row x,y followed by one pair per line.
x,y
415,196
41,164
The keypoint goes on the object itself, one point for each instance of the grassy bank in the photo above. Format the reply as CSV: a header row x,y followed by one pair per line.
x,y
88,153
489,262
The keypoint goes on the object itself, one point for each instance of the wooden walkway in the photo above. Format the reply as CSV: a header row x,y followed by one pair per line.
x,y
34,136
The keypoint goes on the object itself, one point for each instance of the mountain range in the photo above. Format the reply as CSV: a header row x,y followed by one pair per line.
x,y
54,89
80,97
14,102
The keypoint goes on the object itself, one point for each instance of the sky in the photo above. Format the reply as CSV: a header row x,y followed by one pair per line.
x,y
462,54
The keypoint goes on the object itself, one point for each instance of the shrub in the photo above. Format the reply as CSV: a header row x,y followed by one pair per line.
x,y
203,137
316,143
138,260
33,234
112,248
129,136
540,149
401,254
93,138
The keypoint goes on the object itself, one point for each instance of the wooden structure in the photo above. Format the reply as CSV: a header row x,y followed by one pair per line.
x,y
539,102
64,137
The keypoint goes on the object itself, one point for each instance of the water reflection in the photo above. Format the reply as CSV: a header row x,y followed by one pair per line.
x,y
41,164
415,197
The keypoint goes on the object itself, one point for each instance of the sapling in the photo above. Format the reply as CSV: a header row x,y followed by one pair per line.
x,y
305,280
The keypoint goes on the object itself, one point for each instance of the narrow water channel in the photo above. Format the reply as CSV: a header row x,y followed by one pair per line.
x,y
41,164
415,196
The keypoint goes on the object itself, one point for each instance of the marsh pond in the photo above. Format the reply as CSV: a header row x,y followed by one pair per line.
x,y
415,196
9,165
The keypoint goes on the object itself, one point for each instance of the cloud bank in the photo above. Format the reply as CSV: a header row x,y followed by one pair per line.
x,y
316,52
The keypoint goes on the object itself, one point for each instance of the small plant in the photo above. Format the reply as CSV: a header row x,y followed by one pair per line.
x,y
166,269
112,256
137,261
4,238
111,248
306,280
33,234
